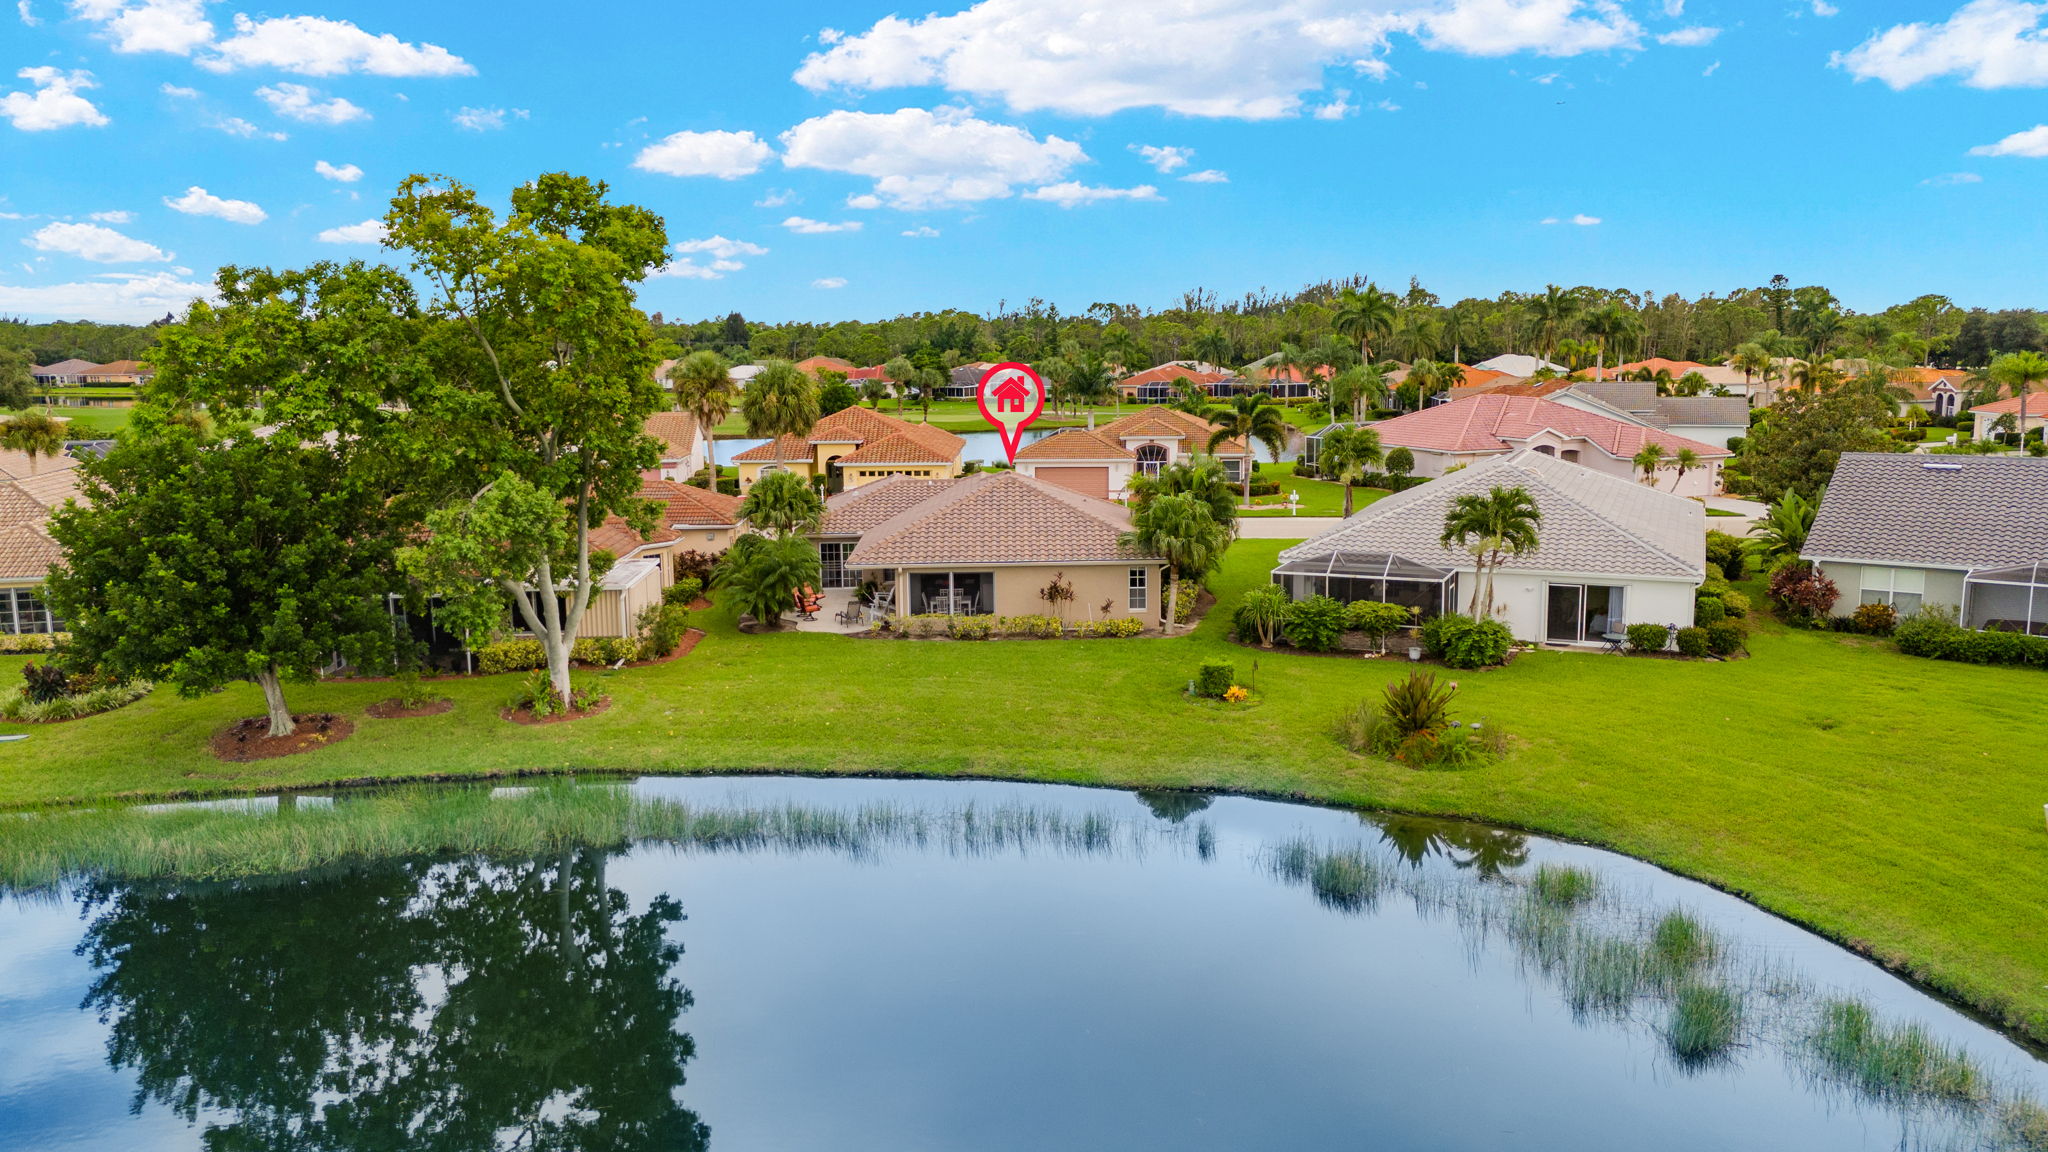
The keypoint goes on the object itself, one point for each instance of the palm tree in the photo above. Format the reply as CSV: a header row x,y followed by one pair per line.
x,y
703,384
1121,346
1816,373
900,372
1685,460
1553,312
874,390
1354,387
2019,372
1363,315
779,401
1420,333
1500,524
35,432
1199,476
1456,331
1605,324
1210,345
782,503
1345,453
1648,461
1751,359
1179,529
1248,418
1781,533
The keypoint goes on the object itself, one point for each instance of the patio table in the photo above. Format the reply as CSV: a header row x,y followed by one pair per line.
x,y
1614,640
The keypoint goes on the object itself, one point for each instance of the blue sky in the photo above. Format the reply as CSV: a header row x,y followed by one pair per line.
x,y
827,161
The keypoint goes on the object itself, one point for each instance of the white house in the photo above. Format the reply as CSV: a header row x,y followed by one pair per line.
x,y
684,453
1464,432
1706,419
1519,364
1987,416
1611,553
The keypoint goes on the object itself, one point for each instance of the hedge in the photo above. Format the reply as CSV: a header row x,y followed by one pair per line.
x,y
1648,637
525,655
1462,642
1693,642
1934,633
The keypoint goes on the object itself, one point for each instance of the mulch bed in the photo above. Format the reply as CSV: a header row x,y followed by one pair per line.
x,y
246,740
392,710
524,715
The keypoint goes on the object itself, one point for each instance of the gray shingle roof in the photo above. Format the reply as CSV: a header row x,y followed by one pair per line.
x,y
1592,522
1940,511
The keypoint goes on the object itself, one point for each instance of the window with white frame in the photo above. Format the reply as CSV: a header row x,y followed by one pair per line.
x,y
22,611
1901,588
832,569
1140,586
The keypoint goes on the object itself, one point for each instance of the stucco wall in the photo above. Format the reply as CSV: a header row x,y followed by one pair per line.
x,y
1521,600
1940,585
1016,589
1119,471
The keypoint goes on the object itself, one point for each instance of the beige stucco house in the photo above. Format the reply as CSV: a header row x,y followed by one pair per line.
x,y
856,446
29,492
1157,437
1465,432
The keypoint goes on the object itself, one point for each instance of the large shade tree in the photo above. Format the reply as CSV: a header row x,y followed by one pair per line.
x,y
1492,527
543,380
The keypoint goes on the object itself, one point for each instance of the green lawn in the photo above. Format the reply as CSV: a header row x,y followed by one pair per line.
x,y
1889,802
88,423
1318,497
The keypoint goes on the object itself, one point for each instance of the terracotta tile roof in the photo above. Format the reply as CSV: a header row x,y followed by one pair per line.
x,y
119,368
781,450
1168,373
50,488
997,518
17,465
2037,405
812,365
898,448
690,505
1525,388
618,538
856,510
676,430
1495,423
1172,424
1075,444
27,552
859,425
873,372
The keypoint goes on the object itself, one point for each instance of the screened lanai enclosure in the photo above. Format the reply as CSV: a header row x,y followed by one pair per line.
x,y
2010,599
1382,576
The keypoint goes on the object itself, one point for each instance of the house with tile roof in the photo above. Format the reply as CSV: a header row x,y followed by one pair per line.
x,y
1909,530
986,543
1081,460
1467,431
684,452
1610,553
1161,383
118,372
1519,364
964,381
63,372
1707,419
27,550
1160,436
1987,416
812,365
856,446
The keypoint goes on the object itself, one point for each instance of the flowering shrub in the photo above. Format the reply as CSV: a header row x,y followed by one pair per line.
x,y
1118,627
1801,592
1235,694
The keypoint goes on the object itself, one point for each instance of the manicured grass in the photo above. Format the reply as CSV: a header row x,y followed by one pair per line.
x,y
89,423
1318,497
1890,802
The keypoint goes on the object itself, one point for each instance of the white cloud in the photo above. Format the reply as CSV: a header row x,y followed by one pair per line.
x,y
346,174
1711,68
726,155
688,269
486,119
94,243
174,26
806,227
298,102
367,232
1545,27
1073,193
922,232
198,201
1166,158
1689,37
925,159
1674,8
1988,43
1206,176
725,257
864,201
829,282
116,217
315,46
2031,143
1824,9
1338,108
114,298
236,126
26,12
55,103
777,197
1950,179
1582,220
179,92
720,247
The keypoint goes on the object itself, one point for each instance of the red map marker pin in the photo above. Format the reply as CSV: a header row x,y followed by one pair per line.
x,y
1011,397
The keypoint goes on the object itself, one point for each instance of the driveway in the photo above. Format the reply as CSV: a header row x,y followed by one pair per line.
x,y
1285,527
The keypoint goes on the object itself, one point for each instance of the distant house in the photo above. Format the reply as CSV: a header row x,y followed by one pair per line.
x,y
1157,437
1611,553
1987,416
986,543
1160,384
1938,391
63,373
965,380
128,372
1969,532
1519,364
28,495
684,452
1717,376
855,446
1467,431
1708,419
812,365
1081,460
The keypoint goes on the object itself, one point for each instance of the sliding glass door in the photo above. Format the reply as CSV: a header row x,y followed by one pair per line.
x,y
1578,613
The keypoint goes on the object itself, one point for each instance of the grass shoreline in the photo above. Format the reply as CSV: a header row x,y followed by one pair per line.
x,y
1879,801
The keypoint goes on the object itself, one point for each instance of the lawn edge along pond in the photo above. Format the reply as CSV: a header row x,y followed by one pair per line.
x,y
1879,800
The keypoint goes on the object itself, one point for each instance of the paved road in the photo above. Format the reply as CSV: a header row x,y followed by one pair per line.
x,y
1285,527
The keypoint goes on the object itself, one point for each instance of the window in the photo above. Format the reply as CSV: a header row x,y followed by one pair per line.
x,y
1901,588
832,569
1150,458
1139,577
1546,450
954,593
22,611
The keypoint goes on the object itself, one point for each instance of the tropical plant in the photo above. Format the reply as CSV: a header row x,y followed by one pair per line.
x,y
1751,359
873,391
36,433
1345,454
782,503
1500,524
1179,529
779,401
1364,315
1606,324
703,388
1553,312
1314,624
1261,612
1647,460
1211,345
1400,462
1355,387
1780,535
1418,702
1684,460
901,372
762,574
1248,419
2018,372
1199,476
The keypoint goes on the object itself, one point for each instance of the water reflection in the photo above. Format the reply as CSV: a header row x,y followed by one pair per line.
x,y
455,1006
1486,852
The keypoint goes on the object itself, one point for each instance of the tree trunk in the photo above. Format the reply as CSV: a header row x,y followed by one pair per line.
x,y
1478,582
1346,482
711,462
273,701
558,669
1172,599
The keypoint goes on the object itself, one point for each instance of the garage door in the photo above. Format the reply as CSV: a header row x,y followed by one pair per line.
x,y
1087,481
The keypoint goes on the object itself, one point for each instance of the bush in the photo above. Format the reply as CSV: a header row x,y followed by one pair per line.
x,y
1648,637
1304,469
970,627
1262,486
12,643
603,649
1314,624
1186,593
1463,642
510,656
1418,703
1708,609
1375,619
1801,592
1036,627
1930,632
17,707
698,564
683,591
1259,614
661,629
1724,638
1106,629
1875,619
1727,553
42,683
1693,642
537,694
1214,678
1735,604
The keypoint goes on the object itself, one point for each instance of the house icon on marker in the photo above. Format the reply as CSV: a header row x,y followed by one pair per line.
x,y
1011,395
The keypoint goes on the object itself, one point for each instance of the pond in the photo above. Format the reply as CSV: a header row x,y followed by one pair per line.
x,y
771,963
